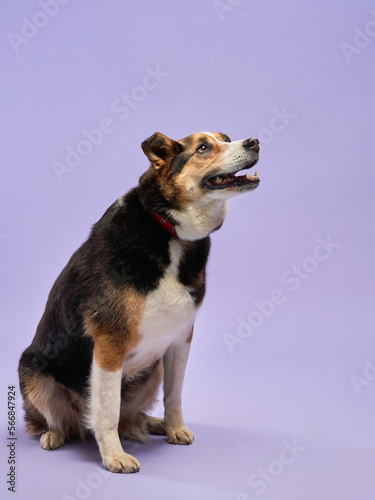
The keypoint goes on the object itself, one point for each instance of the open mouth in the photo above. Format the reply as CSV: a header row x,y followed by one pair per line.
x,y
223,181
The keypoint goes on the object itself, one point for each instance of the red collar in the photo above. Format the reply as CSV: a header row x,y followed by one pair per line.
x,y
171,228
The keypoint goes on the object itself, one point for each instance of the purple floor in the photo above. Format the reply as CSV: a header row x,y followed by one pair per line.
x,y
280,385
245,419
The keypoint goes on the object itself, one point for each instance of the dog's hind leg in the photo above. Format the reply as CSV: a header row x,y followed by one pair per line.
x,y
155,426
51,409
138,396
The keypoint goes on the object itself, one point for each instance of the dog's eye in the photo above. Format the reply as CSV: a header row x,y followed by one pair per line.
x,y
202,148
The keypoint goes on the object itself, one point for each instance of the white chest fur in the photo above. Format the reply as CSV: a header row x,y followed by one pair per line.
x,y
168,316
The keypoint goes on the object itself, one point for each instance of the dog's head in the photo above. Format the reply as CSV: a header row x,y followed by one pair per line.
x,y
202,165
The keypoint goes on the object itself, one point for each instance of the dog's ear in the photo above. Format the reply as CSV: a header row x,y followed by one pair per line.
x,y
160,150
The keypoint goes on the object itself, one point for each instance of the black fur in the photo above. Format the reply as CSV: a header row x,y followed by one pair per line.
x,y
126,246
192,265
225,137
179,161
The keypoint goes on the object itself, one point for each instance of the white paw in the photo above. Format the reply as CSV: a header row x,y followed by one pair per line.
x,y
51,440
122,463
179,435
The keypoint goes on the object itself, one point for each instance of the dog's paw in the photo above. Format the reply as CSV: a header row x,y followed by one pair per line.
x,y
156,426
51,440
122,463
134,429
180,435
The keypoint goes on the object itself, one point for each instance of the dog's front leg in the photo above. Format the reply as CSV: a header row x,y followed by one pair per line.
x,y
175,360
104,412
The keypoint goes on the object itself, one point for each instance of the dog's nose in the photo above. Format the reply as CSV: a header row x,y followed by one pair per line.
x,y
252,144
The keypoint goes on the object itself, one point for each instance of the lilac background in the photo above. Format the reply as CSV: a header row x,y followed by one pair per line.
x,y
290,380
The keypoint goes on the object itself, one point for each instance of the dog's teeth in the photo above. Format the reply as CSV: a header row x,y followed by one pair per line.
x,y
248,176
256,174
218,180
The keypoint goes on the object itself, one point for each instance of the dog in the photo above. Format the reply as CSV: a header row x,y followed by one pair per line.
x,y
119,319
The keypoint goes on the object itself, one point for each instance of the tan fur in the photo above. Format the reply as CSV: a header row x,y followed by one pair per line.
x,y
109,351
156,426
188,181
140,397
190,337
134,304
160,150
43,396
117,325
48,401
113,342
35,421
134,427
51,407
186,186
